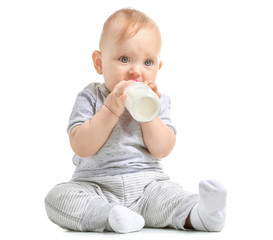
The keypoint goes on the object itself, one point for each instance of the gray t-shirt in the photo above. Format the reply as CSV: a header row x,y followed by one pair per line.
x,y
124,151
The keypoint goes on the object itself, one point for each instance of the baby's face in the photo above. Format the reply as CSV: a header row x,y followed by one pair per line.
x,y
135,58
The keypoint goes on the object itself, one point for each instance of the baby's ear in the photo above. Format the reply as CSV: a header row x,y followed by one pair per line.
x,y
96,56
160,65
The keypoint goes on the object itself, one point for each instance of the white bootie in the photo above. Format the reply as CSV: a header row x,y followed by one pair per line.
x,y
124,220
209,214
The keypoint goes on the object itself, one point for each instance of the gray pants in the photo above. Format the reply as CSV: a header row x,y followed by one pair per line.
x,y
84,204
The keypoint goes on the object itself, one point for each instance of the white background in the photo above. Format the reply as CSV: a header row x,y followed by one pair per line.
x,y
217,67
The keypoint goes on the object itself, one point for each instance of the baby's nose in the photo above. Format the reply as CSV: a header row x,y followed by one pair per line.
x,y
135,71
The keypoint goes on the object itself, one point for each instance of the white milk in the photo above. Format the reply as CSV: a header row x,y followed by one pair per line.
x,y
142,102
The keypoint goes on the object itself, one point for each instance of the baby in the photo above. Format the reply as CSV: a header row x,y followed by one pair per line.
x,y
118,184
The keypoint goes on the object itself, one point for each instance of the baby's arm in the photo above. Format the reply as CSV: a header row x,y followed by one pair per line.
x,y
158,138
86,139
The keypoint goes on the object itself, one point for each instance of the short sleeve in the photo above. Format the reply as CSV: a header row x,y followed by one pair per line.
x,y
165,111
83,110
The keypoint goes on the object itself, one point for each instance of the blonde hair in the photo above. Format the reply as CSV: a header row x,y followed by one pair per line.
x,y
130,21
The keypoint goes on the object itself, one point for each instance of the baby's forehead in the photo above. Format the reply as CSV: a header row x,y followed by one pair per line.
x,y
120,29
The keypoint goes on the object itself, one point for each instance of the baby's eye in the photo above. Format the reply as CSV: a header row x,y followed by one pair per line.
x,y
148,62
124,60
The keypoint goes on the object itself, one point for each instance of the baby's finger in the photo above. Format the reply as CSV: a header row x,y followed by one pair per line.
x,y
120,87
158,94
123,98
153,86
124,85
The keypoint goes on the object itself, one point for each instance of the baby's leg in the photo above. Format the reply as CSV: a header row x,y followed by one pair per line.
x,y
209,213
166,204
77,206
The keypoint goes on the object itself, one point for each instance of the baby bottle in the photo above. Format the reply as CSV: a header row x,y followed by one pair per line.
x,y
142,102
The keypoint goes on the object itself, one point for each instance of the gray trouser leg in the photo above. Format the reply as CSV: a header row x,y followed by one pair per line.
x,y
76,207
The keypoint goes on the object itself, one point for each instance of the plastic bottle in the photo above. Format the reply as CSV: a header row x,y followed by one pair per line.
x,y
142,102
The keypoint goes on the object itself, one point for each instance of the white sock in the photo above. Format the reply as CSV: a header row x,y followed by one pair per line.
x,y
124,220
209,214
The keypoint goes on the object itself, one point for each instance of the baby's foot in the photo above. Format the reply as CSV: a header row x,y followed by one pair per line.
x,y
124,220
209,214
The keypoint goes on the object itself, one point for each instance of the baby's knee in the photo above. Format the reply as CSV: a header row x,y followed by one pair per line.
x,y
61,204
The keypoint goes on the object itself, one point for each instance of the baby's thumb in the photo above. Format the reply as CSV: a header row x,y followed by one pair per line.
x,y
123,97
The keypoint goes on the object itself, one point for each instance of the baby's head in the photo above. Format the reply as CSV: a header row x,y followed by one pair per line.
x,y
130,46
127,22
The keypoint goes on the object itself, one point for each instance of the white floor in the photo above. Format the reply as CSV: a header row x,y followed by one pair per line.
x,y
149,233
44,229
146,233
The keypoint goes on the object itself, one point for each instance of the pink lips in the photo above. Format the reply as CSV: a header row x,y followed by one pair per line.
x,y
135,80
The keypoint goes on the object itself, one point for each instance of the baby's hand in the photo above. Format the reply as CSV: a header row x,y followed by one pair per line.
x,y
153,86
115,100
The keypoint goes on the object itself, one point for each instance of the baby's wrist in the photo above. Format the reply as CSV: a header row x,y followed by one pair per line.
x,y
110,110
